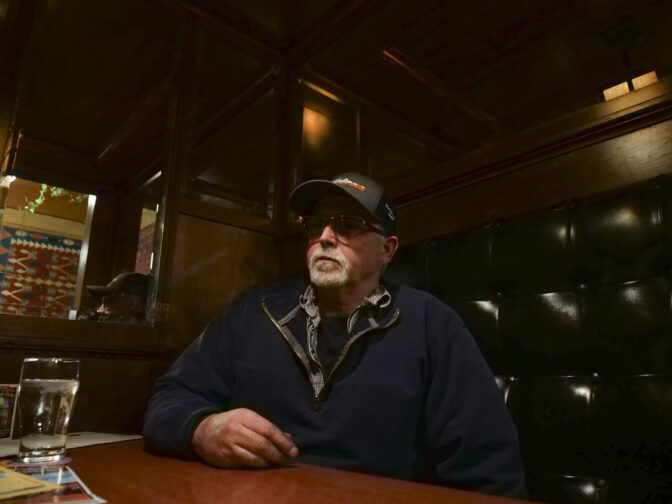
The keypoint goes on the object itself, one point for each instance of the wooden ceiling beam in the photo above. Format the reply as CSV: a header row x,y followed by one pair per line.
x,y
225,31
16,40
254,91
50,164
441,147
441,88
581,129
142,177
336,21
124,132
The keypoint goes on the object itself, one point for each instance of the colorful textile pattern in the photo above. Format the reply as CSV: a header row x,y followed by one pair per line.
x,y
38,272
143,259
5,240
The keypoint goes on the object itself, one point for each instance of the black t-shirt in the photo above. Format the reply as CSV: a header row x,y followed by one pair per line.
x,y
332,339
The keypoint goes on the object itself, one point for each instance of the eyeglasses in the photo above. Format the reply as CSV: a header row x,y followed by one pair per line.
x,y
111,298
345,227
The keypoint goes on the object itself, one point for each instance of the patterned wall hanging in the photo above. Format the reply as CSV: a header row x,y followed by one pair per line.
x,y
38,272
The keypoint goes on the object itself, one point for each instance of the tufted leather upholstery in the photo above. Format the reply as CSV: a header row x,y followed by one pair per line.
x,y
572,308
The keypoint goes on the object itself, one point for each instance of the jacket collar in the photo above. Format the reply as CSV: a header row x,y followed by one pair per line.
x,y
295,314
284,307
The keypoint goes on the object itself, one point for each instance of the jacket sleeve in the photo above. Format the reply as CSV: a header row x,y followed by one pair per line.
x,y
197,384
472,440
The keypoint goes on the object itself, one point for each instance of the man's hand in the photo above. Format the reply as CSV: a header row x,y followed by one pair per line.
x,y
242,438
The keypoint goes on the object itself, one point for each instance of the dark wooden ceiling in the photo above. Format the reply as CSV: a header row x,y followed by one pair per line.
x,y
414,84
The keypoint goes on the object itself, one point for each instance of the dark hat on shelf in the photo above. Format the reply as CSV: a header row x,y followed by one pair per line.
x,y
364,190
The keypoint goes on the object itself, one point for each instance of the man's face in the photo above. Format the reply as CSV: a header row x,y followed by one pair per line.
x,y
116,307
337,260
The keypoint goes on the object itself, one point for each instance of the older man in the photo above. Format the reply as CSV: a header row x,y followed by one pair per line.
x,y
123,300
342,370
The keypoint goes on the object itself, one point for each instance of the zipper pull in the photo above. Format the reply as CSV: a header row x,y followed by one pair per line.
x,y
316,403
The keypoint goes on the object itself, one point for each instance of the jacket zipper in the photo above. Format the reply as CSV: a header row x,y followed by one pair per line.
x,y
317,396
277,326
351,341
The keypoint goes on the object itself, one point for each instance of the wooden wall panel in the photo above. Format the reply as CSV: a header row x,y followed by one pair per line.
x,y
213,263
616,162
113,392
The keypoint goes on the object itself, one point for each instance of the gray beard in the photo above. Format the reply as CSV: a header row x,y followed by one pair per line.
x,y
332,274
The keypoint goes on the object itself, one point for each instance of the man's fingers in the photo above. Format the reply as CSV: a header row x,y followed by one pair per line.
x,y
242,437
263,447
267,430
246,458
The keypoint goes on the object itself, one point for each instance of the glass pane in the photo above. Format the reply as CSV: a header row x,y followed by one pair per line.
x,y
392,153
235,166
144,257
52,265
42,229
94,118
120,280
329,144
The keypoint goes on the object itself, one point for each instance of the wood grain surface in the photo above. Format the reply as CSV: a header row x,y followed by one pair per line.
x,y
125,473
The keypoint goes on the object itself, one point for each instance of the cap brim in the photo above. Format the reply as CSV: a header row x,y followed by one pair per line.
x,y
305,196
100,289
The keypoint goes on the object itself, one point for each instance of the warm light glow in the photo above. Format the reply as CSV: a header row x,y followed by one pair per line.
x,y
315,126
389,55
616,91
644,80
322,91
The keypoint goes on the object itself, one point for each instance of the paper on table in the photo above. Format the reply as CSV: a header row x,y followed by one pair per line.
x,y
10,447
77,439
69,488
15,484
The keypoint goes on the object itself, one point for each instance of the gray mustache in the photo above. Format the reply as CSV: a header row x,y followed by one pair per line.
x,y
326,253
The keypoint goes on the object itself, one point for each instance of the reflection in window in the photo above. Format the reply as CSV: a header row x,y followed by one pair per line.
x,y
234,166
120,280
42,229
144,258
329,135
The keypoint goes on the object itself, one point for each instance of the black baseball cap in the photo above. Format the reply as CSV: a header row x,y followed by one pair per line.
x,y
126,283
364,190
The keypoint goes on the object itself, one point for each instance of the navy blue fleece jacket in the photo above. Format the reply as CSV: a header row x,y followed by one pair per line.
x,y
412,396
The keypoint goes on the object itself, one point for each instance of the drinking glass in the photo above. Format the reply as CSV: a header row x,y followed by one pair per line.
x,y
46,398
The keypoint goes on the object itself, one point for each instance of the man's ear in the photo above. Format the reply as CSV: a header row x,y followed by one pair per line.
x,y
390,245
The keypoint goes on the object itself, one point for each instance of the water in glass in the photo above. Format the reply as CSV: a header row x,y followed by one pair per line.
x,y
46,400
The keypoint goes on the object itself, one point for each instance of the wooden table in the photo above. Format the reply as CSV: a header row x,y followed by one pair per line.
x,y
124,473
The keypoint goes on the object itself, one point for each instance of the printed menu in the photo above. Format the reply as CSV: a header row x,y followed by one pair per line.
x,y
43,484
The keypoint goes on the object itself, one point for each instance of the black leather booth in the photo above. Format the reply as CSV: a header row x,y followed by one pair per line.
x,y
572,307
